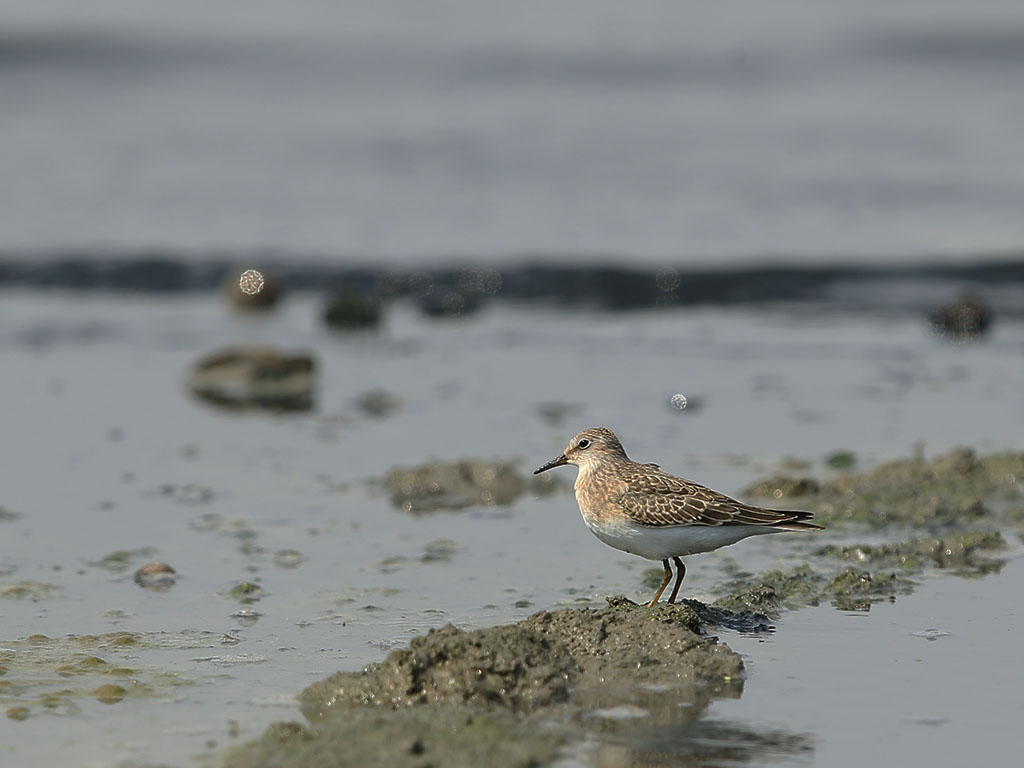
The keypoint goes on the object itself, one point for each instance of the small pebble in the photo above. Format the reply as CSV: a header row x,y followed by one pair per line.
x,y
288,558
156,576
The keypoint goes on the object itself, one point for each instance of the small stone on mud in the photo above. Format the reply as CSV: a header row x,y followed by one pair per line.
x,y
156,576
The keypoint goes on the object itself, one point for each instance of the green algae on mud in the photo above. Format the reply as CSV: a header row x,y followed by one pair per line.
x,y
122,559
246,592
949,490
507,695
29,590
59,675
439,485
957,499
436,551
967,553
849,589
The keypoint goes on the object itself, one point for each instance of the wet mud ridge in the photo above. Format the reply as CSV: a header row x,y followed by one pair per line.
x,y
510,695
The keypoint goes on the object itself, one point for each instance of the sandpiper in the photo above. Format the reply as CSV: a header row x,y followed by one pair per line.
x,y
641,510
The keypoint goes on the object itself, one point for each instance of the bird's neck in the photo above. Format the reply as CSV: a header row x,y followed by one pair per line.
x,y
591,471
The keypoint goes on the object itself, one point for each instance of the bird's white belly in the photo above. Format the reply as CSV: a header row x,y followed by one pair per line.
x,y
671,541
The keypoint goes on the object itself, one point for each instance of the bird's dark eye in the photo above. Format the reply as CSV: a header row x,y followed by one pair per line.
x,y
584,443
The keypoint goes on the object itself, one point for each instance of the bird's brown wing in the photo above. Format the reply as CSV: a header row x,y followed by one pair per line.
x,y
656,499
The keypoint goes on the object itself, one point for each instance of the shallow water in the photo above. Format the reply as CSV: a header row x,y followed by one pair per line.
x,y
932,679
103,450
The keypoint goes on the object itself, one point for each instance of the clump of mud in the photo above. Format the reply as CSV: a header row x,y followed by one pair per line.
x,y
508,695
849,589
968,553
943,514
963,320
950,491
439,485
241,377
784,486
28,590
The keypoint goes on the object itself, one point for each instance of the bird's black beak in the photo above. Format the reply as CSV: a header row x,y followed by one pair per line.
x,y
558,462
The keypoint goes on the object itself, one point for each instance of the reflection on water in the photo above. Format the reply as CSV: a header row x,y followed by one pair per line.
x,y
665,725
703,743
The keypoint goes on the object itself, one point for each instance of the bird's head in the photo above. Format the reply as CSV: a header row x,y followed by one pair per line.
x,y
586,447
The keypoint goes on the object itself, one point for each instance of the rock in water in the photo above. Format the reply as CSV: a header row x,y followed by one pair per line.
x,y
254,377
964,320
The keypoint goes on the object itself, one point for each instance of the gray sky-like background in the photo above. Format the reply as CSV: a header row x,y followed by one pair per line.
x,y
420,131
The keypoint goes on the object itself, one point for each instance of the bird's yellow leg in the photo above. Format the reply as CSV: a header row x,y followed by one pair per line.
x,y
664,583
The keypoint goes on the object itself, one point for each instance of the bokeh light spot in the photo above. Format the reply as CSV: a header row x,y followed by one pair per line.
x,y
251,282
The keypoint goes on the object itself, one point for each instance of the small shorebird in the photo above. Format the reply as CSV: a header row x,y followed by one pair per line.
x,y
641,510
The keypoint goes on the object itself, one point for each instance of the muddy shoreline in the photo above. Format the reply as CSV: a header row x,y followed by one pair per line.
x,y
524,693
